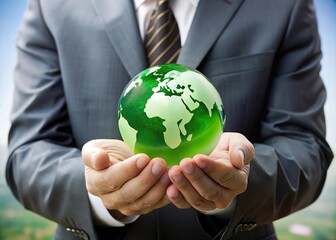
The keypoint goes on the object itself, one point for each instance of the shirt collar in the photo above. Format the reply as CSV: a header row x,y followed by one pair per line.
x,y
194,2
138,3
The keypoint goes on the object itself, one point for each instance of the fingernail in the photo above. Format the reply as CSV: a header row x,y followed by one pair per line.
x,y
157,169
93,157
175,195
188,168
141,162
241,153
164,179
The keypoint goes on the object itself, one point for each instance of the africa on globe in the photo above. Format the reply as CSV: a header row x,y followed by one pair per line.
x,y
170,111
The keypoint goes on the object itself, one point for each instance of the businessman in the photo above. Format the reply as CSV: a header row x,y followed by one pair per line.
x,y
66,158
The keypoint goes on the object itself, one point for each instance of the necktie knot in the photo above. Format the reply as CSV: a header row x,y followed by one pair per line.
x,y
162,38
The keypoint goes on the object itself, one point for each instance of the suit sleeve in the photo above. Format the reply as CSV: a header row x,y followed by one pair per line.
x,y
44,168
291,153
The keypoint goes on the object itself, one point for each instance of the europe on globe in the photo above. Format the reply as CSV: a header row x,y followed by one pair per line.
x,y
171,111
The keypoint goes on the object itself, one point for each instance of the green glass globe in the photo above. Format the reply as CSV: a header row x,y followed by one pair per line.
x,y
170,111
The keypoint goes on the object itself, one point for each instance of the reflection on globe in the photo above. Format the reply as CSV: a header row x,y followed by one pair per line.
x,y
170,111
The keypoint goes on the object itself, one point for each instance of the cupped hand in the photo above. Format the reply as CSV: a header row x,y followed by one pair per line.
x,y
127,184
212,182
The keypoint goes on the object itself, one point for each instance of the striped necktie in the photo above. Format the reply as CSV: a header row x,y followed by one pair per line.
x,y
162,38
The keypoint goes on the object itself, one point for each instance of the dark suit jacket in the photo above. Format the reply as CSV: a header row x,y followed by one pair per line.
x,y
74,59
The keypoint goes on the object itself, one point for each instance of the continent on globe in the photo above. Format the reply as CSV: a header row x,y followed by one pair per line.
x,y
171,111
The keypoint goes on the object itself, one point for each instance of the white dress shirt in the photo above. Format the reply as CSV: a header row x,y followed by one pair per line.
x,y
184,11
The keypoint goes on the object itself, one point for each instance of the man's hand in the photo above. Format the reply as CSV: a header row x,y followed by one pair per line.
x,y
127,184
209,182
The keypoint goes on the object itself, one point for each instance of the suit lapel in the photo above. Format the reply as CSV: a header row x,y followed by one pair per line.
x,y
118,17
211,17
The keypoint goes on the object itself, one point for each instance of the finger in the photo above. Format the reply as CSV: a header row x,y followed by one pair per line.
x,y
176,197
114,177
99,159
116,150
189,193
136,187
88,153
241,155
224,173
154,198
163,202
240,150
204,185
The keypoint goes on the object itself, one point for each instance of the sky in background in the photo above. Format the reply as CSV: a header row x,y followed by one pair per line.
x,y
326,13
10,17
11,14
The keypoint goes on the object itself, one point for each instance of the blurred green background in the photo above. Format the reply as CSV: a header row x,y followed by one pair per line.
x,y
318,221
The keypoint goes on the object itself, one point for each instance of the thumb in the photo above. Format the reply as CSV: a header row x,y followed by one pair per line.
x,y
99,159
241,155
95,158
237,157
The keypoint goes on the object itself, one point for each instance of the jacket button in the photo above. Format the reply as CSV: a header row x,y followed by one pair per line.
x,y
244,227
78,233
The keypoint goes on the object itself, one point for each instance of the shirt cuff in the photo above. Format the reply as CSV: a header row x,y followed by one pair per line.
x,y
103,217
223,212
